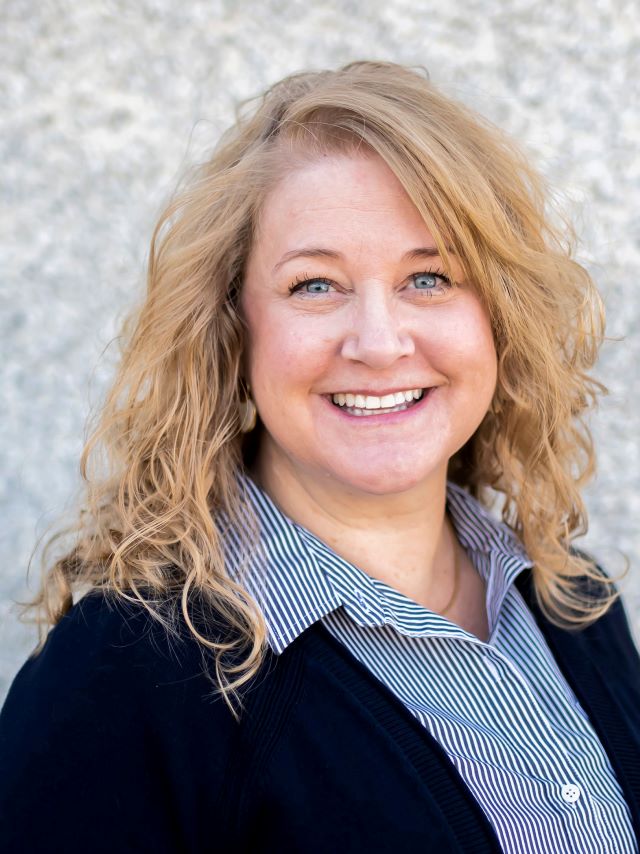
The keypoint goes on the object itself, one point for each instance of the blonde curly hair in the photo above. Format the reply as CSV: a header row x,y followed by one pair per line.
x,y
160,468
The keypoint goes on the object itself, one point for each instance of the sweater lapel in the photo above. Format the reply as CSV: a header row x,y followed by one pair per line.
x,y
586,666
467,822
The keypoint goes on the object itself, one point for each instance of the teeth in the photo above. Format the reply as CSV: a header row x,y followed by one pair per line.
x,y
371,402
364,412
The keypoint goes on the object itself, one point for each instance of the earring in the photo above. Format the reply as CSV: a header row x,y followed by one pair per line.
x,y
247,413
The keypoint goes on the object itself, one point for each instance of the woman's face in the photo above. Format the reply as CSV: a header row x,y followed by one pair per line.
x,y
347,314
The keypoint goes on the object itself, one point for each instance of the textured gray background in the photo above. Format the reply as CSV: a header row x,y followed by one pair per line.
x,y
106,102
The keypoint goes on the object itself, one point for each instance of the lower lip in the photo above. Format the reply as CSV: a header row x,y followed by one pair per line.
x,y
383,417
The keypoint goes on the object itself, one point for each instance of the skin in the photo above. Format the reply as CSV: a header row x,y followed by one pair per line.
x,y
372,487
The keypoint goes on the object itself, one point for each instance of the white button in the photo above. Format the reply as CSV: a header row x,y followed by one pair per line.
x,y
493,670
571,792
361,600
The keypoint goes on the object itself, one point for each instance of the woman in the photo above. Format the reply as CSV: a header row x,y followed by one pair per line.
x,y
301,630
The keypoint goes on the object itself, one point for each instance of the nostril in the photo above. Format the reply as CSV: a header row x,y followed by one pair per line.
x,y
378,348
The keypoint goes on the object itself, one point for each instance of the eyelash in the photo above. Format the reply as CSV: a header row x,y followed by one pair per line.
x,y
300,281
304,279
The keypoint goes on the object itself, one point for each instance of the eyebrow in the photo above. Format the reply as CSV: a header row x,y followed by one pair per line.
x,y
320,252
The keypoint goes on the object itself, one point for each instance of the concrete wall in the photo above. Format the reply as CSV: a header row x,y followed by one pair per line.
x,y
106,102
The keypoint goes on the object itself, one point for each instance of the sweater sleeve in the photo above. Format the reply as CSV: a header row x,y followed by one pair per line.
x,y
112,739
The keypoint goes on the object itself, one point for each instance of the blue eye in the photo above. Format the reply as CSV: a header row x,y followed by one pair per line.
x,y
429,281
317,287
311,286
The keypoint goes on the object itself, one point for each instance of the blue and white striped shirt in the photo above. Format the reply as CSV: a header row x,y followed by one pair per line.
x,y
501,710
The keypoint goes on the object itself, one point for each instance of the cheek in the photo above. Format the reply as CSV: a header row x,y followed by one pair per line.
x,y
286,354
482,363
471,351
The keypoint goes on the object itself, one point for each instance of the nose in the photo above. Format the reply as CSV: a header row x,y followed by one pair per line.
x,y
378,336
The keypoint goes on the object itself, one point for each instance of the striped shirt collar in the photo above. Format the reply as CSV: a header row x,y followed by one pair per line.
x,y
297,579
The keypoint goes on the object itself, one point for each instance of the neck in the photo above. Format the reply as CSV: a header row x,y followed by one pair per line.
x,y
405,540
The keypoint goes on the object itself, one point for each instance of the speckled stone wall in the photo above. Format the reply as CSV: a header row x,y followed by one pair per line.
x,y
105,103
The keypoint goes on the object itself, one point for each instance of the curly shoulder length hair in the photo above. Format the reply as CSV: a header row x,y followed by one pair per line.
x,y
160,468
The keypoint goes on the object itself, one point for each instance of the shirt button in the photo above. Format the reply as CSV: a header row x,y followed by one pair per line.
x,y
362,601
570,793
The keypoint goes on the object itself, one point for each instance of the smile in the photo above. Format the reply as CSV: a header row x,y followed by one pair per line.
x,y
361,404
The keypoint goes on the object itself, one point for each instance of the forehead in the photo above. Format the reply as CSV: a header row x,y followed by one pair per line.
x,y
339,197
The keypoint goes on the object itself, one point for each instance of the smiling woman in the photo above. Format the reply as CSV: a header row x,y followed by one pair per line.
x,y
288,620
366,321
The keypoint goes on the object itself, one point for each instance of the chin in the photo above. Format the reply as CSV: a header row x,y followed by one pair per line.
x,y
381,481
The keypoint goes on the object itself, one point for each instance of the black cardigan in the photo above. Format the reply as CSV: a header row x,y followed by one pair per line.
x,y
111,741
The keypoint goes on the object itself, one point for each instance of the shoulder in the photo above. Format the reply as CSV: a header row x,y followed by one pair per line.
x,y
607,638
120,720
106,649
